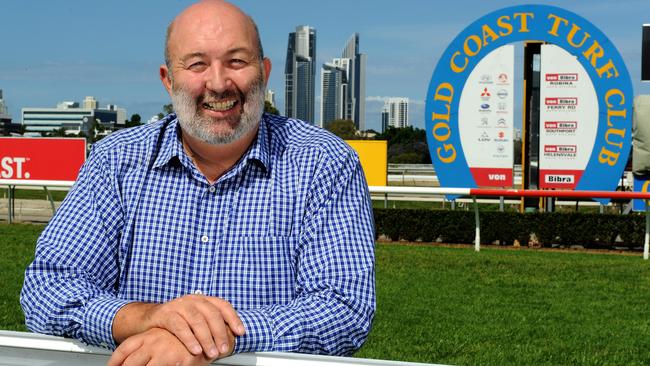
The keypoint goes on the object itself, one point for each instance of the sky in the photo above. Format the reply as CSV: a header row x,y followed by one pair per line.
x,y
63,50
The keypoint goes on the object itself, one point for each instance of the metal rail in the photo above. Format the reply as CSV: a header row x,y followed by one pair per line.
x,y
476,192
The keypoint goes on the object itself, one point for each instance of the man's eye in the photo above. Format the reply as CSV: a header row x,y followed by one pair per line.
x,y
237,62
197,66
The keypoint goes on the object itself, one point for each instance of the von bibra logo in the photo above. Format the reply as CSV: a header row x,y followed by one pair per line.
x,y
596,53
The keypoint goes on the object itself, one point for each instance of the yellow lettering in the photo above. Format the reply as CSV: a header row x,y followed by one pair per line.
x,y
615,131
450,157
524,21
444,97
594,53
614,92
466,47
556,24
615,113
572,34
607,157
455,68
488,33
502,22
607,68
445,127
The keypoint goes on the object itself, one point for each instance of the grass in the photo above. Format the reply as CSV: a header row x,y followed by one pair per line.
x,y
502,307
455,306
17,244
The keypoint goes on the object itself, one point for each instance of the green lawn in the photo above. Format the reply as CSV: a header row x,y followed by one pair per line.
x,y
455,306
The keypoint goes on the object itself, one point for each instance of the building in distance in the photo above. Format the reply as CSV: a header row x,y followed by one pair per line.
x,y
300,74
73,119
395,113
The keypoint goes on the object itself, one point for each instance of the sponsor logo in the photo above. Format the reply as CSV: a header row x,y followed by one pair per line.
x,y
485,107
497,177
485,94
562,77
502,93
501,122
13,168
560,178
503,78
560,126
484,121
501,149
484,137
486,79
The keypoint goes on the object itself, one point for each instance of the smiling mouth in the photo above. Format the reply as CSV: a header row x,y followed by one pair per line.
x,y
220,106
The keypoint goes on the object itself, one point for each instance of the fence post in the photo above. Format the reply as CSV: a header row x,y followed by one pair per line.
x,y
646,244
10,207
477,238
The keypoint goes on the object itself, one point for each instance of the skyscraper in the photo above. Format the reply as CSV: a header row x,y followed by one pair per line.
x,y
395,113
333,92
300,74
355,108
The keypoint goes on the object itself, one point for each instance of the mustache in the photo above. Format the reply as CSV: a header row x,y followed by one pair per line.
x,y
210,96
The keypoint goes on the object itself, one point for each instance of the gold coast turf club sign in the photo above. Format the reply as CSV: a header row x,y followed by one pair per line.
x,y
590,47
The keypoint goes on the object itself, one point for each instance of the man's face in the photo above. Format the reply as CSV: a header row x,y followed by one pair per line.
x,y
216,79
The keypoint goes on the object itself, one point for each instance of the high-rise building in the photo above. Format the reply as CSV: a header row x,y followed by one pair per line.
x,y
90,103
395,113
269,96
333,92
355,108
300,74
6,127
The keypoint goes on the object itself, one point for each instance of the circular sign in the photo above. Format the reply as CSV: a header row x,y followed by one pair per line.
x,y
600,59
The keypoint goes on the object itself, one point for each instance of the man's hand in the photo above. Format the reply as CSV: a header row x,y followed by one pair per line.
x,y
203,324
158,347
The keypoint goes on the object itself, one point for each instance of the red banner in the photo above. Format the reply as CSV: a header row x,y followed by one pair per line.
x,y
492,177
55,159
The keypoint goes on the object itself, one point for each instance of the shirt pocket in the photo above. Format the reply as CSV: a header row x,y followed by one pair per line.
x,y
257,271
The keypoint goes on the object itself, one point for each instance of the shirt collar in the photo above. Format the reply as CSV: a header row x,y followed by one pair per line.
x,y
171,145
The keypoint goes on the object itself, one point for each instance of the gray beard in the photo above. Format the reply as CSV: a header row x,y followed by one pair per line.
x,y
198,126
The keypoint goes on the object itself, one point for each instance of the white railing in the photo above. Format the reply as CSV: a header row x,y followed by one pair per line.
x,y
18,348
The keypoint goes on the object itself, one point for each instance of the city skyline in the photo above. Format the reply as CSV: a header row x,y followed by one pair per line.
x,y
67,50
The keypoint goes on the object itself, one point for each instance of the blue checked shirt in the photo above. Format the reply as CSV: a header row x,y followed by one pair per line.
x,y
286,236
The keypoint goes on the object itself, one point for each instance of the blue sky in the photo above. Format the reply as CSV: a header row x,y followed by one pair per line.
x,y
58,50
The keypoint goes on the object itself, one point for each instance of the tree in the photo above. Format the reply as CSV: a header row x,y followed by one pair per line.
x,y
168,108
406,145
343,128
269,108
136,120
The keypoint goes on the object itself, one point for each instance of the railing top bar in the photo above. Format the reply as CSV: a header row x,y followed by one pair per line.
x,y
508,192
46,183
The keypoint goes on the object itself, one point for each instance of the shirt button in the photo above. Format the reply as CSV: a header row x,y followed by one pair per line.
x,y
212,189
198,292
205,238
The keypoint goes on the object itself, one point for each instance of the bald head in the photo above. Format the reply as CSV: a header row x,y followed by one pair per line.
x,y
215,9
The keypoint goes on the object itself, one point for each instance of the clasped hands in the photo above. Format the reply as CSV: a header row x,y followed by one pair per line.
x,y
189,330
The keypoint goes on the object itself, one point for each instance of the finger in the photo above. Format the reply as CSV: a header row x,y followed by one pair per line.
x,y
219,330
229,315
124,350
179,326
137,358
202,330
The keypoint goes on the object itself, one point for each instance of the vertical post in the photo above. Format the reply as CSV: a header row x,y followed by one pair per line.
x,y
385,200
646,244
477,238
501,209
10,207
49,197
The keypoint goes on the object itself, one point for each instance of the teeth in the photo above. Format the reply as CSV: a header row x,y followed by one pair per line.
x,y
220,106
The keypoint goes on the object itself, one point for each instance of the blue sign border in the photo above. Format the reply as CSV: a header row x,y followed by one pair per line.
x,y
550,24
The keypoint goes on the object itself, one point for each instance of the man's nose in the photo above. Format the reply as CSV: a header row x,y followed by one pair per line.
x,y
218,78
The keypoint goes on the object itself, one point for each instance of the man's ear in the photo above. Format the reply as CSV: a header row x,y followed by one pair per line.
x,y
267,69
166,78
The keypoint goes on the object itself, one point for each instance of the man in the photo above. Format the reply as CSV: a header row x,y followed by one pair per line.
x,y
219,230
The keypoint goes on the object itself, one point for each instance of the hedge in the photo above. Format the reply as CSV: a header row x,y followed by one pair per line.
x,y
545,229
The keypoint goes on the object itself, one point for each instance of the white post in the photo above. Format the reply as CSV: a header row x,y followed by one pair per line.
x,y
477,238
646,244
